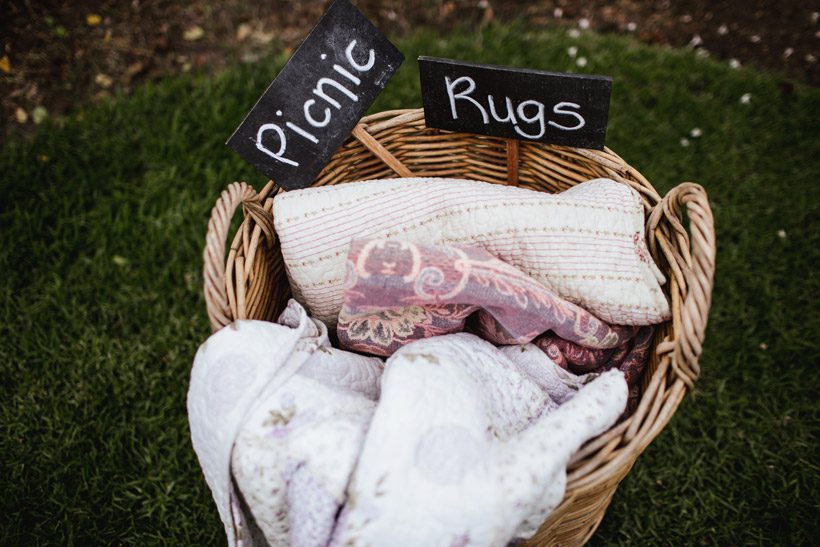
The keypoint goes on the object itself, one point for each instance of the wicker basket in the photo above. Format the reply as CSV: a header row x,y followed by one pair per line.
x,y
252,283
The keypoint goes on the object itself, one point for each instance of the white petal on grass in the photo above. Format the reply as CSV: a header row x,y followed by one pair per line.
x,y
810,58
781,234
695,132
582,61
746,98
723,30
684,142
574,33
631,26
696,40
558,13
572,51
755,38
701,53
788,52
583,23
734,63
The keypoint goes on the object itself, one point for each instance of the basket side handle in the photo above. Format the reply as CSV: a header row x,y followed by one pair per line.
x,y
213,271
692,257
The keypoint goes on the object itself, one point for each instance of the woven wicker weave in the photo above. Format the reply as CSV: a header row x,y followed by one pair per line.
x,y
252,283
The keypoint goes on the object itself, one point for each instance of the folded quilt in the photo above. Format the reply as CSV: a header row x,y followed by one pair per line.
x,y
397,291
278,412
467,446
586,243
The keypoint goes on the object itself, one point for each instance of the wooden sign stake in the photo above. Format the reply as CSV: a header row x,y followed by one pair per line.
x,y
512,162
380,151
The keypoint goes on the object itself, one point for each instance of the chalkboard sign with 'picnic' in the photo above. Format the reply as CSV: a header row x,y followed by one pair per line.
x,y
318,97
514,103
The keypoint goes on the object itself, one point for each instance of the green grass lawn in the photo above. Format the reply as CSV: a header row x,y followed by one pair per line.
x,y
102,221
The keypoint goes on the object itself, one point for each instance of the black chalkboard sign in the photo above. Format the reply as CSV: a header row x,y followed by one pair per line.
x,y
318,97
514,103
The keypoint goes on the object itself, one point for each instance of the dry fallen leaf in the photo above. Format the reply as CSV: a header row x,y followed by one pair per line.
x,y
103,80
194,33
446,9
263,38
92,19
243,31
132,70
250,57
5,64
20,115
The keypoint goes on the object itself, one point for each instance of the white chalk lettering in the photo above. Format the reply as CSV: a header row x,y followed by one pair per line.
x,y
319,91
539,117
324,88
371,59
463,95
347,74
305,134
282,144
528,118
309,117
510,117
558,109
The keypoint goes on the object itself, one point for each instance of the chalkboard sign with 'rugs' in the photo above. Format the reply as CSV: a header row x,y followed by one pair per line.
x,y
513,103
318,97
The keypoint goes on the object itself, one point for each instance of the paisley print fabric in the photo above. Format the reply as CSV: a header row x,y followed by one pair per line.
x,y
397,292
629,357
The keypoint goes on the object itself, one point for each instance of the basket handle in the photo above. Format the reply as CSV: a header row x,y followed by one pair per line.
x,y
213,271
693,264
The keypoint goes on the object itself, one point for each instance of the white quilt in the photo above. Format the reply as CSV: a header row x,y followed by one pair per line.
x,y
277,409
466,448
467,443
586,243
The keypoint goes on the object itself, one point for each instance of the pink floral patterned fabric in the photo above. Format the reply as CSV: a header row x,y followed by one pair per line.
x,y
397,292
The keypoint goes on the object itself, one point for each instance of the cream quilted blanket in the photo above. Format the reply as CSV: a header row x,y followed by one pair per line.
x,y
587,243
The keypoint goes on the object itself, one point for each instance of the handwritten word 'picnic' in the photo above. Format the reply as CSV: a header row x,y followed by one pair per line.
x,y
321,92
317,98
